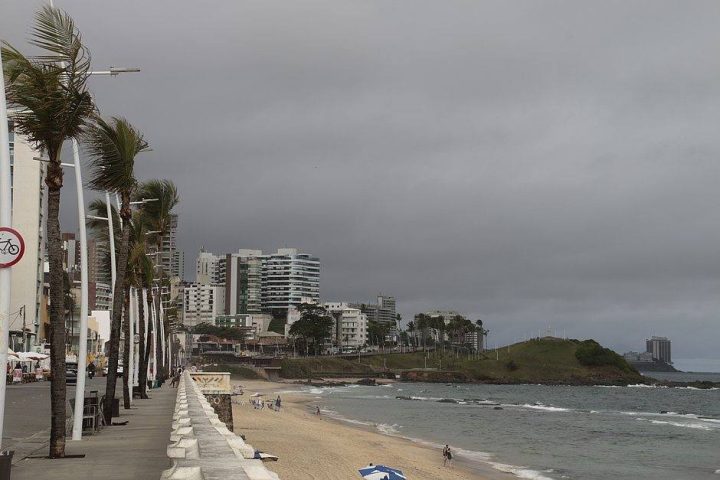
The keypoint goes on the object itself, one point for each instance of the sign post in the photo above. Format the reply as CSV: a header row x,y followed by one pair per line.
x,y
8,257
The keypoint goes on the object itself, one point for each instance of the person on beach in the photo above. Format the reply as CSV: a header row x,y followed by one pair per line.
x,y
317,411
277,403
447,455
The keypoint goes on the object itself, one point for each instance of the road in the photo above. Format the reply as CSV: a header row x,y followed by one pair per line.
x,y
27,413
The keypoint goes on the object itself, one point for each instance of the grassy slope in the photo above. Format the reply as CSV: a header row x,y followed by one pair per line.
x,y
536,361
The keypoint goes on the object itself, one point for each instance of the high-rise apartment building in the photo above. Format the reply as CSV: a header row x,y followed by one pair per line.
x,y
178,265
659,347
29,206
209,268
381,312
202,303
288,276
255,283
168,258
243,282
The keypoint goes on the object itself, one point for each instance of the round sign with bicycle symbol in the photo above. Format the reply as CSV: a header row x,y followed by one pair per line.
x,y
12,247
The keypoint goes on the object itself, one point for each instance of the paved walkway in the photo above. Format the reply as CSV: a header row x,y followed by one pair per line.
x,y
27,415
133,451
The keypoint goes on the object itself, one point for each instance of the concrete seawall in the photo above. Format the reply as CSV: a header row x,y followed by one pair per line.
x,y
202,446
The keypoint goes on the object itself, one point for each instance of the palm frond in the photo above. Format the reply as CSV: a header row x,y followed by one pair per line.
x,y
113,147
50,90
157,214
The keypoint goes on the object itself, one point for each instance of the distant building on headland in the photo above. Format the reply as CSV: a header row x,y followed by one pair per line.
x,y
638,357
656,358
659,347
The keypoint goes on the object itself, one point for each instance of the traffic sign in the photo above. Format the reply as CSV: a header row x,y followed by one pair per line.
x,y
12,247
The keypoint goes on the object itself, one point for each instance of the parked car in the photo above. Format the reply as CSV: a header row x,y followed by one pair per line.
x,y
71,373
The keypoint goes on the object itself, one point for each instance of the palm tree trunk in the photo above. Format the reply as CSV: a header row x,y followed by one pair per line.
x,y
57,315
142,365
127,345
146,358
158,344
116,323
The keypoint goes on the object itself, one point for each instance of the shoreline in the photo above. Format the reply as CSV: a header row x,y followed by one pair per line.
x,y
329,446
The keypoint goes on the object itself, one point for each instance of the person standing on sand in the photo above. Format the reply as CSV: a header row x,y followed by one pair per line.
x,y
317,411
447,455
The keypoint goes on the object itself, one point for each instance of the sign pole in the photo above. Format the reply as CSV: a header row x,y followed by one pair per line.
x,y
5,221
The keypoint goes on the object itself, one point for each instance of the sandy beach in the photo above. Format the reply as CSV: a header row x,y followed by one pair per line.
x,y
312,447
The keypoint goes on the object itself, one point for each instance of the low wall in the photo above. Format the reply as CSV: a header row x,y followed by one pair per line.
x,y
202,446
217,390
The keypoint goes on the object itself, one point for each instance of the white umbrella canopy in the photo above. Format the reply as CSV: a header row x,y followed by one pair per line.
x,y
13,358
31,355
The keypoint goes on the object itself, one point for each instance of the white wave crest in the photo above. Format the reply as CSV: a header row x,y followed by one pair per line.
x,y
694,425
520,472
542,407
388,429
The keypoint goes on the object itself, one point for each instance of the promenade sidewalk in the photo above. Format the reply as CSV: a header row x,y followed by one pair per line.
x,y
133,451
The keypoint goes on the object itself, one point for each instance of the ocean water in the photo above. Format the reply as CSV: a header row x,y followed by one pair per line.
x,y
548,432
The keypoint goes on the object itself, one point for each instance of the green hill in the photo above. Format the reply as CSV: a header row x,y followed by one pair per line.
x,y
546,361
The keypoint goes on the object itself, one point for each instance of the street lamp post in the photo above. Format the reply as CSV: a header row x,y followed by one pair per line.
x,y
82,347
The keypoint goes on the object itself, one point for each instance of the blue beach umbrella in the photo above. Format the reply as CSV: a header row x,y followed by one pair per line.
x,y
381,472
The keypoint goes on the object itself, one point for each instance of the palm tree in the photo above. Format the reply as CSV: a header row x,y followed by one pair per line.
x,y
157,216
140,271
49,90
411,329
113,147
482,333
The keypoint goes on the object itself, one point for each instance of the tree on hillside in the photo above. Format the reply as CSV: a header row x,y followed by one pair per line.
x,y
411,330
53,105
458,327
315,324
377,332
482,333
422,323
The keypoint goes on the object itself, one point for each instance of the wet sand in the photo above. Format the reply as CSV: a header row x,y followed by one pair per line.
x,y
317,447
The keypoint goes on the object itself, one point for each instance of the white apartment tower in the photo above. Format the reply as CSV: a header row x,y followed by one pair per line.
x,y
202,303
288,276
209,268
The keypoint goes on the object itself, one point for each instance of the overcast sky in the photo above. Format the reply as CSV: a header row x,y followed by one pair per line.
x,y
528,163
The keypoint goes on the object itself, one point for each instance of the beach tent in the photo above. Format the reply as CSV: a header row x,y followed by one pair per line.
x,y
381,472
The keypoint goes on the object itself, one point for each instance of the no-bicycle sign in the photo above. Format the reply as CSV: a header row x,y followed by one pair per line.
x,y
12,247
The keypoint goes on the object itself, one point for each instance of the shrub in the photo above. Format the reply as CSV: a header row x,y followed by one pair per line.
x,y
294,369
236,371
511,365
592,354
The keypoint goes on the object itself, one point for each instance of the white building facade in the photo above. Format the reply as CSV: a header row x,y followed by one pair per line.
x,y
350,325
29,207
202,303
288,276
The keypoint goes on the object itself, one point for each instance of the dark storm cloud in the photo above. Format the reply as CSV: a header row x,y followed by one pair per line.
x,y
533,164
